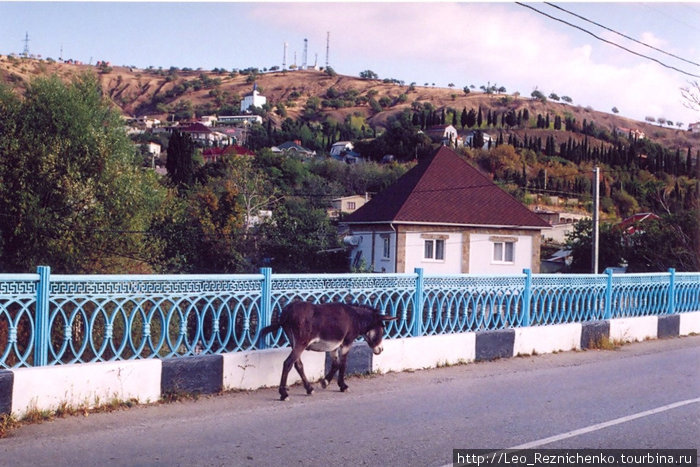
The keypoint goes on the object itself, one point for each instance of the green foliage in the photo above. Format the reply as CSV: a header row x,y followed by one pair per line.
x,y
180,162
538,96
610,250
72,193
301,239
673,241
368,74
401,138
670,242
203,228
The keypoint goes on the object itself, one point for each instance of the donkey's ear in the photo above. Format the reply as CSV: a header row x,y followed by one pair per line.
x,y
388,318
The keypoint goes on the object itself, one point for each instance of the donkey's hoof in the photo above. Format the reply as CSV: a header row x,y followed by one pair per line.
x,y
344,388
284,398
310,391
324,383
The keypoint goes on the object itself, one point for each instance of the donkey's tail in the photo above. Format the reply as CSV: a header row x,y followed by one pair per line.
x,y
269,329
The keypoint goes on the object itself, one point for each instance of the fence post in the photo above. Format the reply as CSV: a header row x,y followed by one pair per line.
x,y
265,303
671,291
607,314
418,304
527,295
42,334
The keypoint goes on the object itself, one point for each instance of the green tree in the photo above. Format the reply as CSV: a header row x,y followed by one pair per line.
x,y
72,193
368,74
180,162
300,238
673,241
610,246
538,95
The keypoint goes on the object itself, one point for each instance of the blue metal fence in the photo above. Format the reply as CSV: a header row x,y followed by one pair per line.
x,y
58,319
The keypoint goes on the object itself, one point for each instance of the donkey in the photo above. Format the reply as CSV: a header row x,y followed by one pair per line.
x,y
330,327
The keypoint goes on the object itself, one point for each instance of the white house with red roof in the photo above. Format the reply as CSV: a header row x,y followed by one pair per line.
x,y
445,216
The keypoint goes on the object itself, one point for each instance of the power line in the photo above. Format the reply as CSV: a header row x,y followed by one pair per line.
x,y
664,13
621,34
607,41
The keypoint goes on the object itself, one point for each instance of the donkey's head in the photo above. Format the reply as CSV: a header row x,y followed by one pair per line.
x,y
375,332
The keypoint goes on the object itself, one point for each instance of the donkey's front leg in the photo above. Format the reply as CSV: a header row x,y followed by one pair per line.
x,y
331,372
286,367
300,369
343,351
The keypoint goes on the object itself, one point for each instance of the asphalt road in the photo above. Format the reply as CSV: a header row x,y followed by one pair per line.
x,y
642,395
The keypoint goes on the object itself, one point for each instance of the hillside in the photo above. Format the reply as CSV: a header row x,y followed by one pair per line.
x,y
163,93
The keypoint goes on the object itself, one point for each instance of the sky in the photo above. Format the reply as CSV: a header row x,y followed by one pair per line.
x,y
438,43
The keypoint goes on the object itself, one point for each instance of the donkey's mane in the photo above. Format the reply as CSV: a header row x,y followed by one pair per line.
x,y
364,308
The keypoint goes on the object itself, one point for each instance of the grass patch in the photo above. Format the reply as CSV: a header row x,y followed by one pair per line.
x,y
9,422
176,396
604,343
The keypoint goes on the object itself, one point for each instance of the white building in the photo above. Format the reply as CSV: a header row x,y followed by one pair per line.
x,y
254,99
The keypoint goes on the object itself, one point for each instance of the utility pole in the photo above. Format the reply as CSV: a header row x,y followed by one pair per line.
x,y
596,220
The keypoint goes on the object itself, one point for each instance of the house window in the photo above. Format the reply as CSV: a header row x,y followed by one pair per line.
x,y
386,247
504,252
434,249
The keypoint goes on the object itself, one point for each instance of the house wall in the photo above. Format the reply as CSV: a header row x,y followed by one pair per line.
x,y
481,252
370,248
414,248
467,250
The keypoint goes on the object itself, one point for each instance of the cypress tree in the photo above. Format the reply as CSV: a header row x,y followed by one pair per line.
x,y
180,162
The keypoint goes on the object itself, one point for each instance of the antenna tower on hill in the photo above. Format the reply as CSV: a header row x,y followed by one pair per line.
x,y
306,47
328,46
284,58
25,53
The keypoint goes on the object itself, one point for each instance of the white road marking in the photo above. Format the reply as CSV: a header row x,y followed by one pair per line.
x,y
600,426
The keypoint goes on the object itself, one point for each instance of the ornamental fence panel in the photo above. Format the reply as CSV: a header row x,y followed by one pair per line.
x,y
62,319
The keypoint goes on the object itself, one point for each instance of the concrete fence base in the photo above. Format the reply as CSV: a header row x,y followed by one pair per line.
x,y
93,384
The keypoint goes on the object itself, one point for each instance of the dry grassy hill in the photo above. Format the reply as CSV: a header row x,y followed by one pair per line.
x,y
159,92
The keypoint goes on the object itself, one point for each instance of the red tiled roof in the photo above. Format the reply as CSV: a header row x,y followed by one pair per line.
x,y
237,149
630,224
446,189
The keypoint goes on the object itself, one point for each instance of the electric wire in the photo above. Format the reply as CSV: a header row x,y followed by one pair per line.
x,y
621,34
607,41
